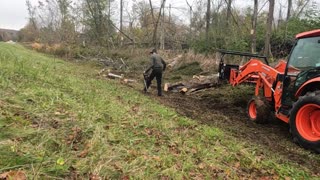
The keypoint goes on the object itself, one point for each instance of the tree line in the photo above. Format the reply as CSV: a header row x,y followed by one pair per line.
x,y
263,26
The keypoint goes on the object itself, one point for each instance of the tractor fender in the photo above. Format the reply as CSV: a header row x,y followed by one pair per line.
x,y
306,85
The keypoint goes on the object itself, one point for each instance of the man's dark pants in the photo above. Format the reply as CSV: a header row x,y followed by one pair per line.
x,y
156,73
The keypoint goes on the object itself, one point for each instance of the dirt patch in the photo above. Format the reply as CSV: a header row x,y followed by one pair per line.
x,y
211,108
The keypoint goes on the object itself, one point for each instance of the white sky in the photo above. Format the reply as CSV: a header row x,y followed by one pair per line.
x,y
14,15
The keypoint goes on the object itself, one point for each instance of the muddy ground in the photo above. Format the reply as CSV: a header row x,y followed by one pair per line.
x,y
223,108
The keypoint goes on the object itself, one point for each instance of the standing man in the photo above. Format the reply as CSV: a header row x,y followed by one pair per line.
x,y
157,66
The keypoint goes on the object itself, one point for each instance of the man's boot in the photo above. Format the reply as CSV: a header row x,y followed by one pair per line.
x,y
159,92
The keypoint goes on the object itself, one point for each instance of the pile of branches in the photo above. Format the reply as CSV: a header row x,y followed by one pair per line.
x,y
116,64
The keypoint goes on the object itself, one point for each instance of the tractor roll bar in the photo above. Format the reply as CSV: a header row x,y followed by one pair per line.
x,y
224,52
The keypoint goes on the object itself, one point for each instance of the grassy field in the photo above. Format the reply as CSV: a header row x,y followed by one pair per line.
x,y
59,121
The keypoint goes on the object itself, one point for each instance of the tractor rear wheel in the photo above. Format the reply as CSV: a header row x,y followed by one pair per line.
x,y
305,121
258,110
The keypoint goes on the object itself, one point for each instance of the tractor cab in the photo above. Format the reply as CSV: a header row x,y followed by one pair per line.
x,y
303,66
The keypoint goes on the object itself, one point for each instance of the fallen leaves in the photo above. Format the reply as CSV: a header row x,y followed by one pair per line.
x,y
83,153
13,175
94,177
135,108
76,136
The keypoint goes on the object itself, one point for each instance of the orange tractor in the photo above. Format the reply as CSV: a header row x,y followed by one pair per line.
x,y
290,89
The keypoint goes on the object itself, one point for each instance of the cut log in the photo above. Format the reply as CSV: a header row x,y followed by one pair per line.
x,y
166,87
174,61
184,90
173,87
129,81
120,77
113,76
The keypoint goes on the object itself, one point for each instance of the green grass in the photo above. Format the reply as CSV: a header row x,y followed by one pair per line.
x,y
57,120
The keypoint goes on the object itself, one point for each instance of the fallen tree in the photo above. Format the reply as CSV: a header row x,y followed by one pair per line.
x,y
174,61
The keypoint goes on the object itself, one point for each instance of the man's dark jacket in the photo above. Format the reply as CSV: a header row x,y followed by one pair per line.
x,y
157,63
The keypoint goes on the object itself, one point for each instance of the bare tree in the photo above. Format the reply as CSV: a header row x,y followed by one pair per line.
x,y
156,22
208,14
190,14
121,15
289,9
152,13
121,21
280,18
162,39
301,6
254,27
267,48
229,3
32,14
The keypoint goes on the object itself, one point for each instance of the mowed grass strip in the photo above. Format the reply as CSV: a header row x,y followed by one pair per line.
x,y
58,120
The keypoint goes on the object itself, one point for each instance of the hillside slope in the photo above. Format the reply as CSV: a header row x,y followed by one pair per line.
x,y
58,120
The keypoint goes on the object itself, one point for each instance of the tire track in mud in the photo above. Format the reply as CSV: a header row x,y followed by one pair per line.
x,y
232,118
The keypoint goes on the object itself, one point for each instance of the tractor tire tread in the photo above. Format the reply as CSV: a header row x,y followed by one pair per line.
x,y
296,138
263,110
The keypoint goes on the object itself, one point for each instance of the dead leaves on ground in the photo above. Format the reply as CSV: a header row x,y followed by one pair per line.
x,y
85,152
13,175
75,137
77,141
94,177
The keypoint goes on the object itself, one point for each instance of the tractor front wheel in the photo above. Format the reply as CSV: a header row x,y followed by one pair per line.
x,y
258,110
305,121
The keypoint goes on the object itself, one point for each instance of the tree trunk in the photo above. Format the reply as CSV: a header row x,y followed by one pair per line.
x,y
152,13
190,14
162,42
228,12
121,14
280,16
169,15
254,27
208,23
156,23
121,21
109,18
288,17
302,8
267,48
289,9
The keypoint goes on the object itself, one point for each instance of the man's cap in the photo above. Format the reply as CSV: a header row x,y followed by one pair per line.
x,y
154,50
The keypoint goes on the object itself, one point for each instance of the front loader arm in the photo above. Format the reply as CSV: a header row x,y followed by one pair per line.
x,y
261,74
264,77
257,69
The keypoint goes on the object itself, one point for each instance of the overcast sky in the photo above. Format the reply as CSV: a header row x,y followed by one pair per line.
x,y
14,15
